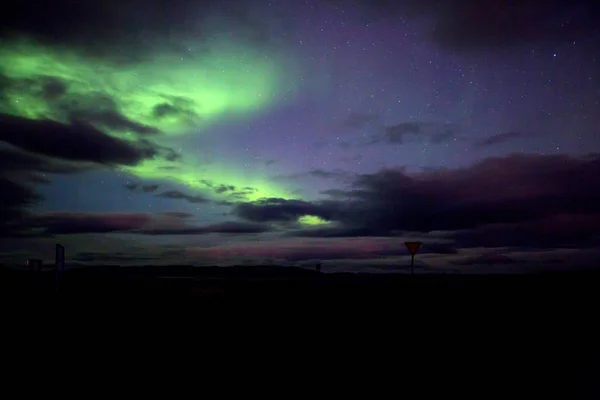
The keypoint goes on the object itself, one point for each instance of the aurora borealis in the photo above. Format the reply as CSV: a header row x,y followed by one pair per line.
x,y
271,132
165,95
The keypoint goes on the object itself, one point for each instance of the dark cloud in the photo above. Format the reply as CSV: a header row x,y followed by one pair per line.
x,y
232,228
127,31
97,109
435,132
66,223
62,223
496,23
144,188
224,188
337,232
572,230
233,193
74,142
518,189
499,138
177,214
280,210
13,160
397,133
164,110
164,152
177,195
177,107
20,171
463,25
44,87
105,114
15,197
318,173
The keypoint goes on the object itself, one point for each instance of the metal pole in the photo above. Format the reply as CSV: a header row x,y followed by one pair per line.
x,y
412,263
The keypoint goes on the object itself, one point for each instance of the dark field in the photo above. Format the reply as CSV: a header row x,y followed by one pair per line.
x,y
300,285
522,336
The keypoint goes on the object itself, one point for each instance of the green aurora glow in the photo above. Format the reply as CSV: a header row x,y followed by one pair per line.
x,y
171,95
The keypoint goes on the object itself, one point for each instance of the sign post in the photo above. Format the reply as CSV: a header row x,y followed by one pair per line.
x,y
412,249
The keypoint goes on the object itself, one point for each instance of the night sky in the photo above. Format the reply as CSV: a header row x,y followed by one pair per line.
x,y
295,132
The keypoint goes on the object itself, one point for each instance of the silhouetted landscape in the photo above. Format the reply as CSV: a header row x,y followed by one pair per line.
x,y
279,283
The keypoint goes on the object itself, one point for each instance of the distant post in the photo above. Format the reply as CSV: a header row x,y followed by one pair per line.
x,y
412,249
318,268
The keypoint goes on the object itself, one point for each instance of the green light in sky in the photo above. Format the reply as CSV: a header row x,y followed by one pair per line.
x,y
312,220
170,94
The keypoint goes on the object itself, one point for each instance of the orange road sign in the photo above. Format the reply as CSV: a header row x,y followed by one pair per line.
x,y
413,247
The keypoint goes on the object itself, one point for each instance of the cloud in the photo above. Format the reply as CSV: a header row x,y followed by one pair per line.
x,y
179,108
20,172
435,132
466,25
68,223
530,190
578,230
224,188
177,195
475,25
103,111
97,109
177,214
13,160
144,188
337,174
280,210
232,228
13,201
499,138
122,26
72,142
62,223
397,133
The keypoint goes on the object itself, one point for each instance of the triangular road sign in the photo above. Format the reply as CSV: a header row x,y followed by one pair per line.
x,y
412,247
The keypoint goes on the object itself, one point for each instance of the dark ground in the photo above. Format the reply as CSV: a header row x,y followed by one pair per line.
x,y
297,285
522,336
